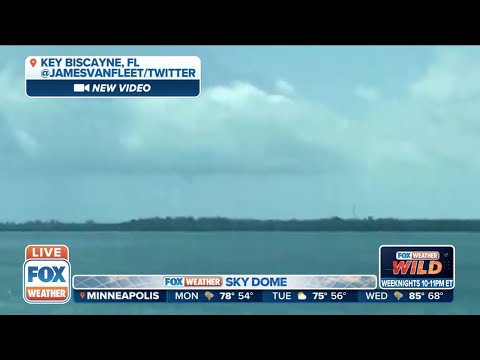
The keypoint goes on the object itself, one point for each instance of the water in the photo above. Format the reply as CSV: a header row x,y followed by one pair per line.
x,y
233,252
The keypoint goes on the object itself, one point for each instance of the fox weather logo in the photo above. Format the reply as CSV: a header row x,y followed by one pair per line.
x,y
417,267
46,274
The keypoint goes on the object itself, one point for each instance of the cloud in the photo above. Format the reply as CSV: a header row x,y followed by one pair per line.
x,y
242,128
453,76
234,128
366,93
284,87
26,142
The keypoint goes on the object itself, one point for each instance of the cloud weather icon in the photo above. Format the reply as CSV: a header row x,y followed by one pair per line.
x,y
301,296
208,295
398,295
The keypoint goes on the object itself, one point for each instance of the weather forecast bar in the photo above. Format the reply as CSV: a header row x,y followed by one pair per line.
x,y
261,296
230,282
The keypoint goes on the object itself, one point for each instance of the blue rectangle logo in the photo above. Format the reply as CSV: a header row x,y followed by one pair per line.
x,y
417,267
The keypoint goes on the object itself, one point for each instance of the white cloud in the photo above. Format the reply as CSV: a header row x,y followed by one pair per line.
x,y
242,128
26,142
454,76
236,127
366,93
284,87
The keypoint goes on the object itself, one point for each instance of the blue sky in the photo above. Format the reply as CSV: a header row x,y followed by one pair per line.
x,y
278,132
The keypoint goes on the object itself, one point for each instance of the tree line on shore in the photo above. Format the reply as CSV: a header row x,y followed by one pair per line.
x,y
231,224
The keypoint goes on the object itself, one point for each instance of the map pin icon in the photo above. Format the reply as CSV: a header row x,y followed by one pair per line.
x,y
82,295
33,62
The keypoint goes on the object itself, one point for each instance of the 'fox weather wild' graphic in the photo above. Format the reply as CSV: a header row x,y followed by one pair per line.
x,y
417,267
46,274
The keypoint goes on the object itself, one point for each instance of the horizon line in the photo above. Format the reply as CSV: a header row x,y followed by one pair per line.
x,y
196,218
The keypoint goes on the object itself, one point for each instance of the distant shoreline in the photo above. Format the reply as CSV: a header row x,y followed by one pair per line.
x,y
217,224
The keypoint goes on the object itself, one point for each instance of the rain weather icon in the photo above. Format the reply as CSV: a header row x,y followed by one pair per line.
x,y
208,295
301,296
398,295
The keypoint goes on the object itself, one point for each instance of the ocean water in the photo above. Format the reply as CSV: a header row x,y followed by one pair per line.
x,y
234,252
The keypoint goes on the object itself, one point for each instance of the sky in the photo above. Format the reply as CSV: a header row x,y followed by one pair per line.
x,y
277,132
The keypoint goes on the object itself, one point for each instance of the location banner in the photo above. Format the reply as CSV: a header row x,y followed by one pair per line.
x,y
112,76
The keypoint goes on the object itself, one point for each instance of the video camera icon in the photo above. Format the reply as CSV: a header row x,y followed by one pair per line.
x,y
81,87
